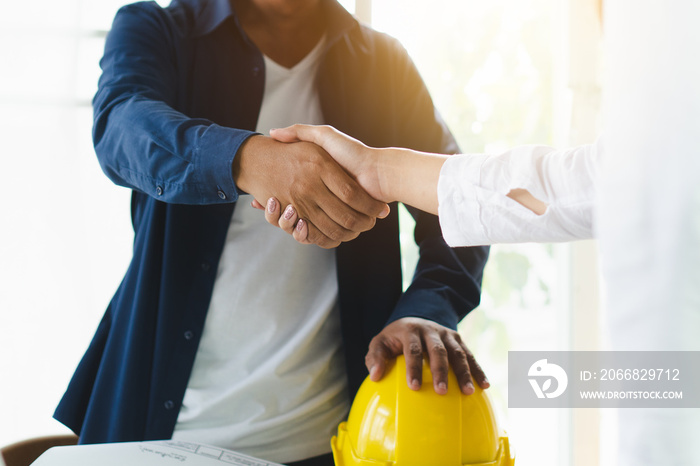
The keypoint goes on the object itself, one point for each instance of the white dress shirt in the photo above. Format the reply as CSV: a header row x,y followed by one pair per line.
x,y
475,210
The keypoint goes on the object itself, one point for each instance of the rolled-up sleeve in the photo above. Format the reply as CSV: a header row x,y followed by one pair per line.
x,y
141,140
474,207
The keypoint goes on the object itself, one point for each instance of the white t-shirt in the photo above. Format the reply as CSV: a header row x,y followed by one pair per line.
x,y
269,376
475,210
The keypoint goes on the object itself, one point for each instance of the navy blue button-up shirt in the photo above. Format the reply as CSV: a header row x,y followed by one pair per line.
x,y
180,92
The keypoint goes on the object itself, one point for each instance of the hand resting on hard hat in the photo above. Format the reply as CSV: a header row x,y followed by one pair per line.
x,y
416,338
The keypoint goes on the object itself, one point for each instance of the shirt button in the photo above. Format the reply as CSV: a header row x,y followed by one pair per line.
x,y
205,266
169,404
189,335
256,71
222,195
159,190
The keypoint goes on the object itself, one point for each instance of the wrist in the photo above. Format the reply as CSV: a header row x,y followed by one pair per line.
x,y
387,164
242,167
410,177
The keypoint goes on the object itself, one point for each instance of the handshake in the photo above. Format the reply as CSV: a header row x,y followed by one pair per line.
x,y
324,187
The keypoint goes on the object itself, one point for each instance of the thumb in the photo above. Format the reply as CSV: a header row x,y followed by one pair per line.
x,y
318,135
288,134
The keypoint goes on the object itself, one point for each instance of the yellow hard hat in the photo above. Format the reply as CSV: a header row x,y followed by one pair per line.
x,y
392,425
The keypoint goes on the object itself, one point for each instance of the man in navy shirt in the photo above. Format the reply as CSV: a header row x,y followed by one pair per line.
x,y
184,95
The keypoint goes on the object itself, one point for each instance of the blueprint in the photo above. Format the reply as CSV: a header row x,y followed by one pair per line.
x,y
156,453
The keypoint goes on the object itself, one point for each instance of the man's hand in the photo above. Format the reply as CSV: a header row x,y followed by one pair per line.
x,y
415,337
355,157
359,160
302,174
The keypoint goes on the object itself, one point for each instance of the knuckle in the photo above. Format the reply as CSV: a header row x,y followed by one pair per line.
x,y
347,192
413,327
377,349
439,350
459,354
441,329
317,238
354,222
350,221
339,234
415,349
378,344
334,234
329,244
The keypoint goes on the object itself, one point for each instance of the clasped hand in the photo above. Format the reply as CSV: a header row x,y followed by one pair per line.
x,y
359,171
335,208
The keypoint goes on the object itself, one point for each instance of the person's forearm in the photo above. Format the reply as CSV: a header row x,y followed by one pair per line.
x,y
410,177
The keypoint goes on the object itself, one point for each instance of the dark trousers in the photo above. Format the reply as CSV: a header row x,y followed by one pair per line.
x,y
323,460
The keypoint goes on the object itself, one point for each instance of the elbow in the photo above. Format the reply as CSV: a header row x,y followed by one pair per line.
x,y
108,166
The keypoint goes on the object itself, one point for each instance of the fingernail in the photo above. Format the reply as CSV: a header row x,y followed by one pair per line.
x,y
271,205
288,212
442,386
385,212
486,383
300,225
373,373
468,389
415,384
